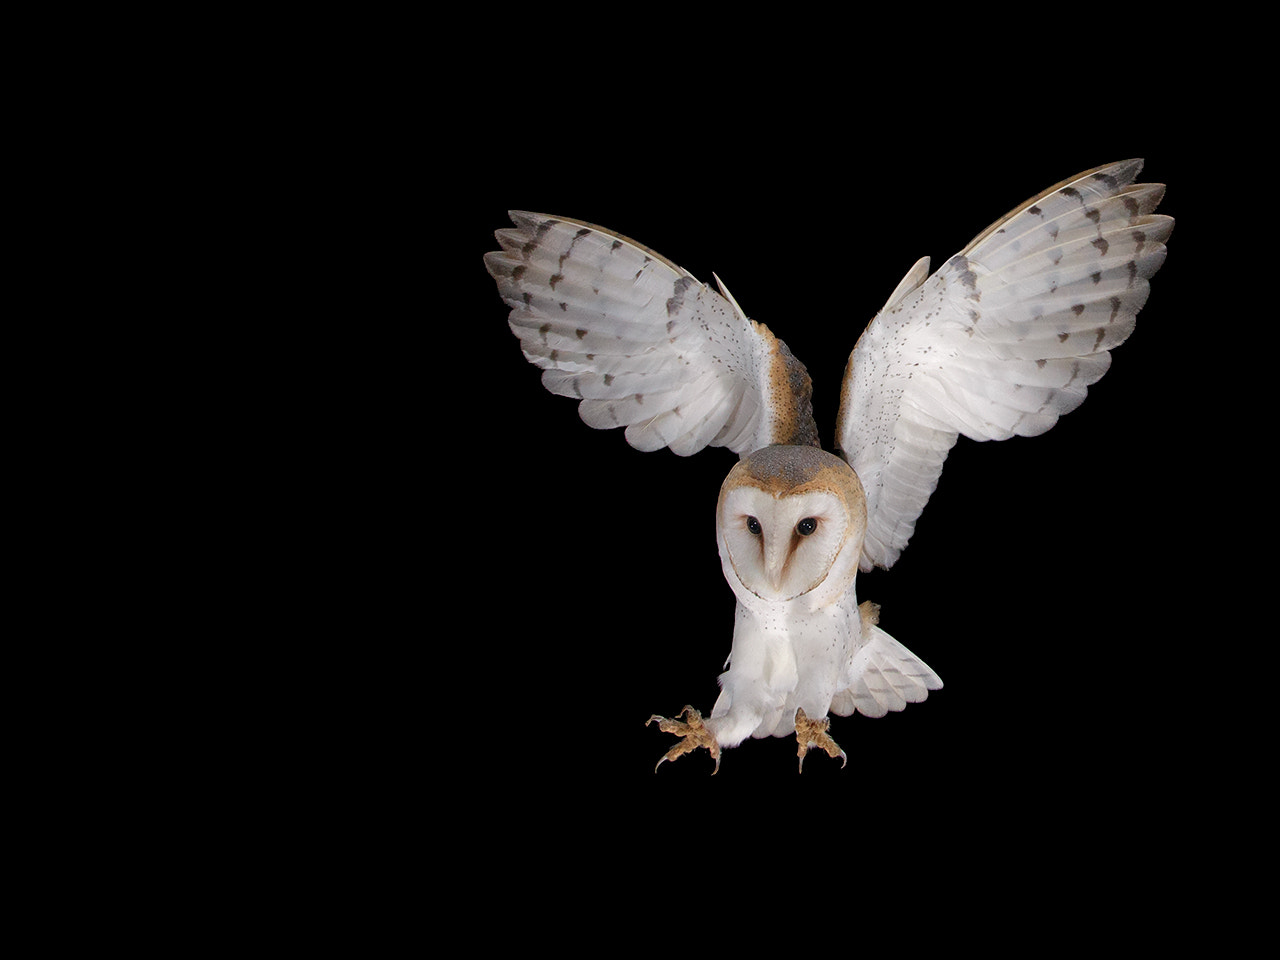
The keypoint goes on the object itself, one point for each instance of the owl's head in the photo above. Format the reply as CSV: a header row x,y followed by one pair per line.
x,y
790,520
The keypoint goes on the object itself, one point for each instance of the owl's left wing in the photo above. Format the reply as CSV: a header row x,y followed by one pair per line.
x,y
643,345
1001,341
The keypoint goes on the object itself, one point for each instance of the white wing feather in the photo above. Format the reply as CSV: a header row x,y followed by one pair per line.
x,y
883,675
638,340
1002,340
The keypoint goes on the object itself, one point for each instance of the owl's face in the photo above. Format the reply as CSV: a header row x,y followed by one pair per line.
x,y
790,522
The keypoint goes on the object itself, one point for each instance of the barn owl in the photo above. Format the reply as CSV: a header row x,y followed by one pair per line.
x,y
1000,341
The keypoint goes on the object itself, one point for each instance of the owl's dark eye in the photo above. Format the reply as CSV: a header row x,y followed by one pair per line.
x,y
807,526
753,526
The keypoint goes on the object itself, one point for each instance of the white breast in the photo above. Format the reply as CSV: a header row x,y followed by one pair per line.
x,y
784,656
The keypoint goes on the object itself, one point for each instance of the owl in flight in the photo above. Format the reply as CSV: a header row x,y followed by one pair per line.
x,y
1003,339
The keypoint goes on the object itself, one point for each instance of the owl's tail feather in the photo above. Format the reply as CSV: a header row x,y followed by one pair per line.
x,y
887,676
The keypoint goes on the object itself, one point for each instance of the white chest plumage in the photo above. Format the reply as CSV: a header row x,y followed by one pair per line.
x,y
785,655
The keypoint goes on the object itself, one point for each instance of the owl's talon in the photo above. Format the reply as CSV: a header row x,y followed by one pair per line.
x,y
694,732
813,733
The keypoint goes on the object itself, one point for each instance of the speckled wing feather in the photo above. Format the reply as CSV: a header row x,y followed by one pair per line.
x,y
1001,341
643,345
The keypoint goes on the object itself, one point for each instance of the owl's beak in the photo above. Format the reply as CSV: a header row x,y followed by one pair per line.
x,y
777,551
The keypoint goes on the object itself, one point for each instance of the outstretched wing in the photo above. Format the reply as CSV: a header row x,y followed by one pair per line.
x,y
643,345
1002,340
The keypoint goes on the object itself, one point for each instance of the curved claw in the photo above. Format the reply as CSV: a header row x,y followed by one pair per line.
x,y
813,733
844,761
693,734
663,759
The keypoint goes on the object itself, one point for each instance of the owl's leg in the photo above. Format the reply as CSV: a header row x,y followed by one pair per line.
x,y
813,733
694,732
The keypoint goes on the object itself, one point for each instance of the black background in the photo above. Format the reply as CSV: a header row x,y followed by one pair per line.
x,y
1049,581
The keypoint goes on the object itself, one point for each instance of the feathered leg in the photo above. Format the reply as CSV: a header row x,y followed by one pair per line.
x,y
694,732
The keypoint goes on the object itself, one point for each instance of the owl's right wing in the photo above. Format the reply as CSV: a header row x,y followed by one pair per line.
x,y
643,345
1002,340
